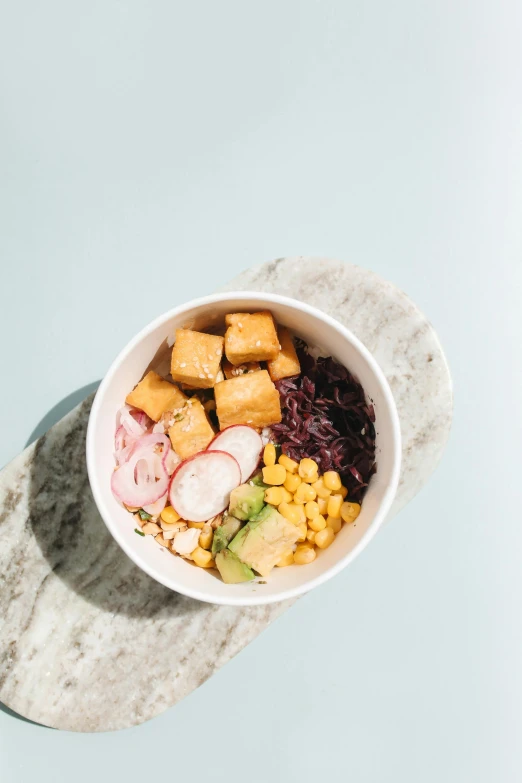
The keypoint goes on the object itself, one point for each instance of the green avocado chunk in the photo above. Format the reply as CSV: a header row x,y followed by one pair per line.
x,y
257,480
225,533
246,501
263,541
231,568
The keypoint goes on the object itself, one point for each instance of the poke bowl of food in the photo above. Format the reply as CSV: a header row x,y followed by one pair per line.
x,y
243,448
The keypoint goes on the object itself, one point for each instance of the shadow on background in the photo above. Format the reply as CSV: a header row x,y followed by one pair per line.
x,y
13,714
60,410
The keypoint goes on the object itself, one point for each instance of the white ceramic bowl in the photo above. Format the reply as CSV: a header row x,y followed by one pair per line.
x,y
317,329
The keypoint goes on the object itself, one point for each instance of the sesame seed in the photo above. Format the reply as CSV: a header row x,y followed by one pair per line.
x,y
209,375
280,348
183,364
258,343
250,421
209,356
201,375
240,324
218,352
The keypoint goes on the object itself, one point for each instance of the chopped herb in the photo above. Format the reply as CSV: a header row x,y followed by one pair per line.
x,y
139,532
178,417
143,515
261,582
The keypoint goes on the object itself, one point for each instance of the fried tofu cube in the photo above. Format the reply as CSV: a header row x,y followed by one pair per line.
x,y
286,362
191,431
196,358
231,371
248,399
250,337
155,395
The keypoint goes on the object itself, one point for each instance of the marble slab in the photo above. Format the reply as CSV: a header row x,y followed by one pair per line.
x,y
84,634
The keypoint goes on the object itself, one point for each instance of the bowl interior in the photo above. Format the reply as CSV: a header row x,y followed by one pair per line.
x,y
151,349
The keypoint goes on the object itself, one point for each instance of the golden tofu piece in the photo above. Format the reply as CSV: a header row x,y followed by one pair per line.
x,y
231,371
155,395
191,431
248,399
196,358
286,363
250,337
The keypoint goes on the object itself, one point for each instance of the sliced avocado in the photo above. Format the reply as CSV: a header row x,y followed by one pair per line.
x,y
246,501
264,540
257,480
231,568
225,533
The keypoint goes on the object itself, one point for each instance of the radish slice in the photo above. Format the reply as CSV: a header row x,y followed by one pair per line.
x,y
245,445
200,487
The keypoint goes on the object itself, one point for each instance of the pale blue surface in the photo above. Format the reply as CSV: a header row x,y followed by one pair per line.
x,y
148,152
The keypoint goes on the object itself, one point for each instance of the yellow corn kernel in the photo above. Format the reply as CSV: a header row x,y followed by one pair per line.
x,y
310,536
304,555
350,511
287,496
269,454
321,490
289,464
302,514
286,560
324,538
317,523
335,523
274,474
302,531
202,558
343,492
323,505
200,525
169,515
332,480
292,481
205,537
312,509
334,505
304,493
274,496
291,512
308,470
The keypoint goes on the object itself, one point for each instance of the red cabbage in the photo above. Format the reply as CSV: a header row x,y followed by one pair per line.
x,y
327,417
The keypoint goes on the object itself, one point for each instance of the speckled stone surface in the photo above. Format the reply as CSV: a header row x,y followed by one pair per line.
x,y
84,634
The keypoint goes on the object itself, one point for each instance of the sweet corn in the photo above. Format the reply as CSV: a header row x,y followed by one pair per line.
x,y
269,454
292,481
324,538
302,531
332,480
323,505
304,555
289,464
321,490
205,537
334,505
317,523
312,509
200,525
350,511
202,558
274,474
275,496
310,536
169,515
286,560
335,523
291,512
287,496
308,470
302,514
304,493
343,492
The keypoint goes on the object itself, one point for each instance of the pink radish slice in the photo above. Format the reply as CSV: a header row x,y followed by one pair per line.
x,y
200,487
245,445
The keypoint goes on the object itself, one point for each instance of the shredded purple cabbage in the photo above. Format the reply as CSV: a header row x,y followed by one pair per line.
x,y
326,417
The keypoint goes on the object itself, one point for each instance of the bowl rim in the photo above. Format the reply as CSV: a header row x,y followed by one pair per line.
x,y
256,599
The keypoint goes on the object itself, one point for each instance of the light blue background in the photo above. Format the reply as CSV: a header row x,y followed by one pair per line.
x,y
151,150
